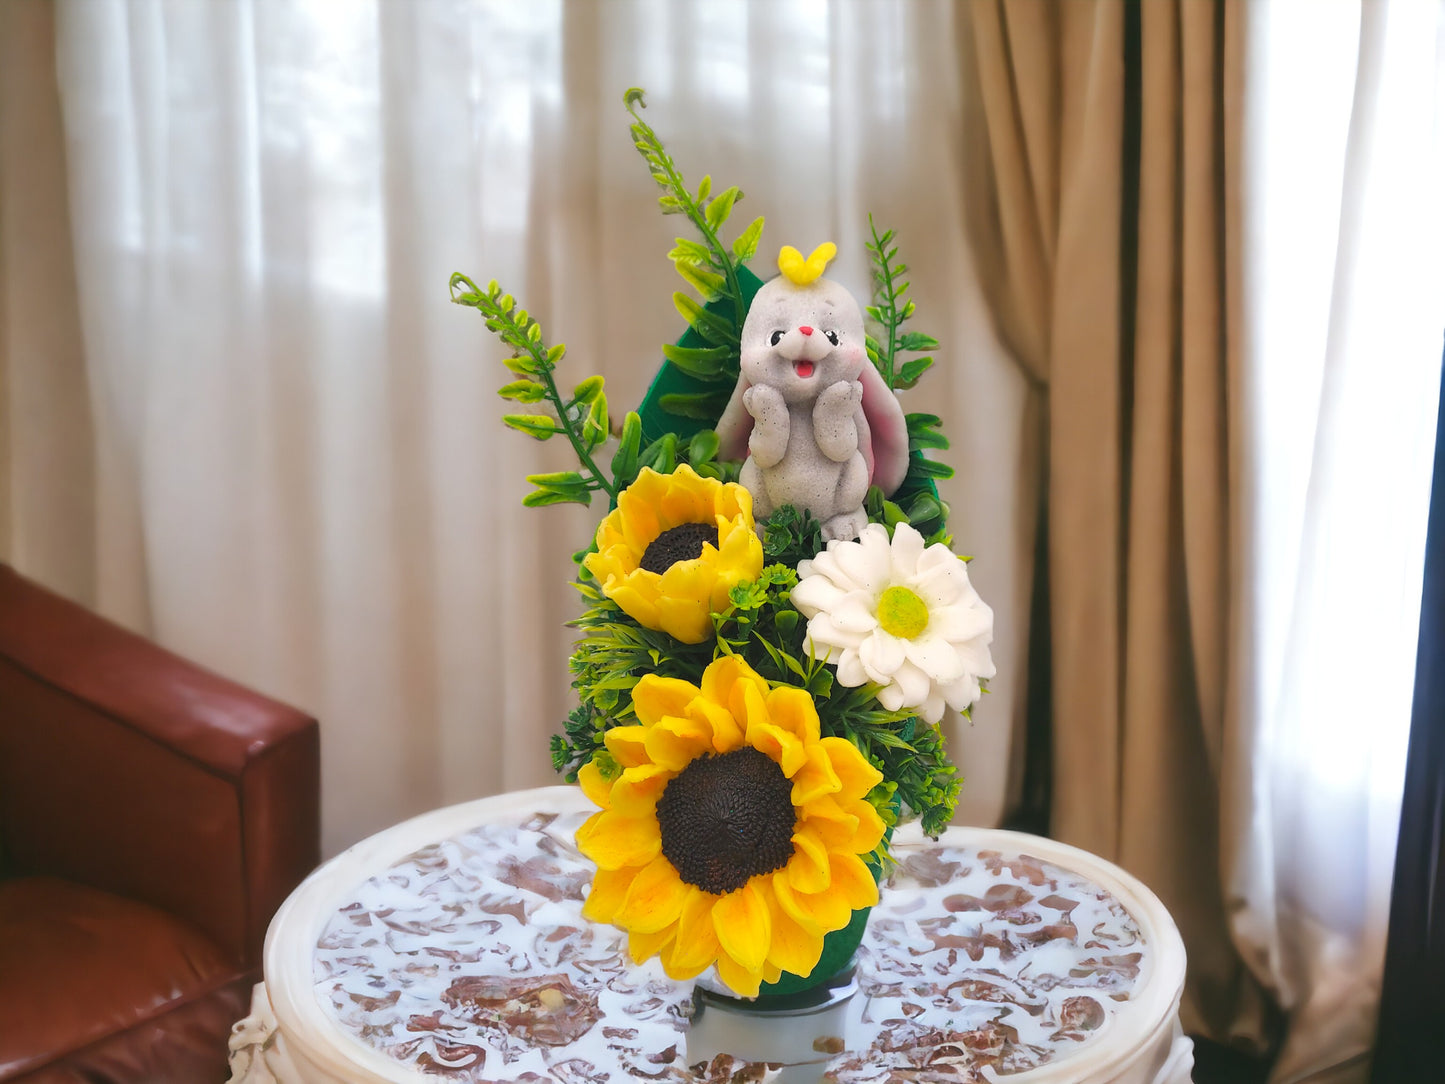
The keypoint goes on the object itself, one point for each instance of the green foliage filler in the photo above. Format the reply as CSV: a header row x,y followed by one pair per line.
x,y
762,626
694,383
715,270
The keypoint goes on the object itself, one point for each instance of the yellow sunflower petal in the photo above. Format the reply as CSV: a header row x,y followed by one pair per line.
x,y
697,947
870,828
644,946
635,518
828,909
786,750
739,979
792,905
655,697
834,826
723,683
740,551
749,706
676,741
793,948
816,778
609,887
854,772
614,841
690,498
771,972
726,734
637,790
628,745
653,900
853,882
794,711
637,602
744,926
680,600
597,789
808,870
686,619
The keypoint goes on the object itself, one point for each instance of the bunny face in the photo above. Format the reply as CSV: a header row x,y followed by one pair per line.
x,y
801,339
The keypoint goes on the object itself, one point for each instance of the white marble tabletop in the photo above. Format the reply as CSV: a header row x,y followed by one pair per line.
x,y
453,948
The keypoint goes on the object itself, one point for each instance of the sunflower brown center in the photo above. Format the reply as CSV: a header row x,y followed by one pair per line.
x,y
683,543
725,819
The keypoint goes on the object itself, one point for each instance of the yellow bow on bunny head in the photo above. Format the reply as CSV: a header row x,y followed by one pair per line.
x,y
801,271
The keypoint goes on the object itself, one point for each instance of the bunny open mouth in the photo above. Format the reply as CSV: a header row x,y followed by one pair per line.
x,y
803,368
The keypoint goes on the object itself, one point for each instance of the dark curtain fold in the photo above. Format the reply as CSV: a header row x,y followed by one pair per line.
x,y
1410,1044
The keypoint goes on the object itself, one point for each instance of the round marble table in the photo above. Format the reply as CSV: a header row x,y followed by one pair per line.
x,y
452,948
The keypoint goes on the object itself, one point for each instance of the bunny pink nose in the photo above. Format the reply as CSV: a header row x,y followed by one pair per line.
x,y
806,330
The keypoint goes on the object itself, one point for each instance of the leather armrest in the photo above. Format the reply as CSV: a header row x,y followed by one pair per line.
x,y
130,769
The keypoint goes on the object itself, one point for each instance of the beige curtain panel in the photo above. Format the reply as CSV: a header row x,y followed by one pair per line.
x,y
1103,200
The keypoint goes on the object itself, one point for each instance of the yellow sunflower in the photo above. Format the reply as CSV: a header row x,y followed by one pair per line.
x,y
733,833
674,547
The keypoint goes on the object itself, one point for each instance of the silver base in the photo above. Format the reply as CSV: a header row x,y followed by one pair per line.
x,y
797,1032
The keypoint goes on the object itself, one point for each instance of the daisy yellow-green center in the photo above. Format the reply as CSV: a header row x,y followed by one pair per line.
x,y
902,613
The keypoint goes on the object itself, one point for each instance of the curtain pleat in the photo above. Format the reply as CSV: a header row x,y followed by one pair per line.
x,y
301,478
47,509
1104,248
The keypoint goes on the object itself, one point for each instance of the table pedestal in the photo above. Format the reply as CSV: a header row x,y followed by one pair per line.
x,y
798,1034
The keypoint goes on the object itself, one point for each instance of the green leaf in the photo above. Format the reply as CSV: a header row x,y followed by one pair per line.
x,y
594,429
707,283
930,468
538,426
661,454
555,354
588,390
918,422
786,622
711,327
916,341
522,364
563,479
523,391
721,206
540,497
703,446
746,245
624,460
704,406
633,96
703,188
911,371
924,507
926,438
692,252
704,362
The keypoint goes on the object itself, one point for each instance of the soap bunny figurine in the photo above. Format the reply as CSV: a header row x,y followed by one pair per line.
x,y
818,423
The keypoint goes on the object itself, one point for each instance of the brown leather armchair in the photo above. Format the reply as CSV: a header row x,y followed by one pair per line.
x,y
153,816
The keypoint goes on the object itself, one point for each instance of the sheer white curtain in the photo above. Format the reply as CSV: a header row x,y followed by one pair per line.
x,y
303,480
1344,291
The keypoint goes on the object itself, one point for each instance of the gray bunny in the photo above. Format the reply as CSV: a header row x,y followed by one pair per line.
x,y
819,423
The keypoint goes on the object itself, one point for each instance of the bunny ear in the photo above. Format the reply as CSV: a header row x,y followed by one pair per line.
x,y
736,424
887,429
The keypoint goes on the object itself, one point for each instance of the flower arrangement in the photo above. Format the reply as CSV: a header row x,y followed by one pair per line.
x,y
759,697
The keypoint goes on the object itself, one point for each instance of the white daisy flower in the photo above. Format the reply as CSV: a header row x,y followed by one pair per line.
x,y
898,615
